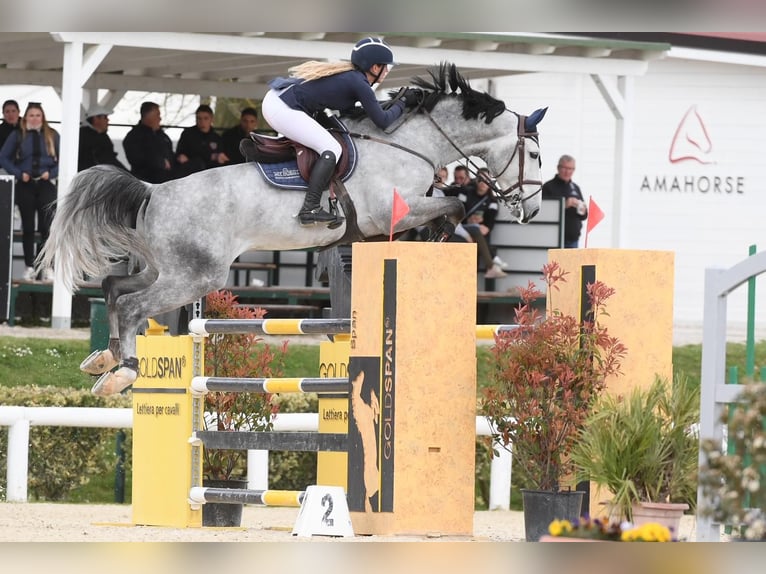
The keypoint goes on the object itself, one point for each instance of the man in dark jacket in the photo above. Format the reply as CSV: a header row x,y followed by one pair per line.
x,y
562,186
200,146
96,146
149,149
248,122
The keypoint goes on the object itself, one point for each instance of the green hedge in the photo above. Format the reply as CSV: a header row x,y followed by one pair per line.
x,y
61,459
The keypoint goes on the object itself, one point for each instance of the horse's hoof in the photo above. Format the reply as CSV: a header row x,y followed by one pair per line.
x,y
98,362
114,383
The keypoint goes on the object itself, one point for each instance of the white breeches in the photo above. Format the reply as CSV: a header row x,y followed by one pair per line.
x,y
297,125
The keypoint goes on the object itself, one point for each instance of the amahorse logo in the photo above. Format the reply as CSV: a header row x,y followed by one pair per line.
x,y
691,141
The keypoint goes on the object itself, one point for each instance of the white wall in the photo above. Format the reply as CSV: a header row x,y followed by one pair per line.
x,y
702,229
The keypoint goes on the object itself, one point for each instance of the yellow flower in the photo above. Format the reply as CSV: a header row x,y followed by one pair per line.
x,y
651,532
559,527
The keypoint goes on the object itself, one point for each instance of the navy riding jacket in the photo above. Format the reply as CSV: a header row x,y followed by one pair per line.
x,y
341,92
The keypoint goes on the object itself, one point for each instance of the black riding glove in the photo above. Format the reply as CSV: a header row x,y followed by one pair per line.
x,y
412,97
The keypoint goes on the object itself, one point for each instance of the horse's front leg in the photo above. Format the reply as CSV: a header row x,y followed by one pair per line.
x,y
440,214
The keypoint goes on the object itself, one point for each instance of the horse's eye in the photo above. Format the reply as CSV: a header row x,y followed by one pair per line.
x,y
534,154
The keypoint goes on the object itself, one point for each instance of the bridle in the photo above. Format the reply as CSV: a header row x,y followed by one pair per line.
x,y
512,196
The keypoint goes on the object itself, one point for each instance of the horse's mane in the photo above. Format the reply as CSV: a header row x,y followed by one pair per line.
x,y
445,81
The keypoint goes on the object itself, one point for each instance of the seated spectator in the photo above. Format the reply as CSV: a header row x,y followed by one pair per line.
x,y
200,147
248,122
149,149
96,146
481,209
461,178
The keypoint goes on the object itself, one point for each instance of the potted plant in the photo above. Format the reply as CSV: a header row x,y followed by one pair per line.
x,y
237,355
545,376
732,479
643,449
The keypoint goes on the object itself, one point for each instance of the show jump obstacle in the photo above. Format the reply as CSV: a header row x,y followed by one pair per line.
x,y
410,399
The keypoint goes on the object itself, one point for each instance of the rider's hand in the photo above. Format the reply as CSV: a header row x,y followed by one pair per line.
x,y
412,97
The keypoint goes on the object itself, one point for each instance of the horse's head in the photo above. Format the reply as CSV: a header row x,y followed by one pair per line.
x,y
505,140
518,171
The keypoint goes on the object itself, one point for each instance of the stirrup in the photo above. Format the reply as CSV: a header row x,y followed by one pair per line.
x,y
333,201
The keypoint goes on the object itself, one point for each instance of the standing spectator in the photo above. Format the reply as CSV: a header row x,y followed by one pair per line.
x,y
31,155
10,120
562,186
96,146
200,147
248,122
149,149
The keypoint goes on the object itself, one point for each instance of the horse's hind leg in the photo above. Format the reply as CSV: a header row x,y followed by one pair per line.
x,y
114,286
170,291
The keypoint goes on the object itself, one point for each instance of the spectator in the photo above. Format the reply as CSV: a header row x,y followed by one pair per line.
x,y
96,146
31,155
562,186
481,209
149,149
461,177
200,147
248,122
10,120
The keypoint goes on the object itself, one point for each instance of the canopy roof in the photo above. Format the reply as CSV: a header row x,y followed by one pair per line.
x,y
240,64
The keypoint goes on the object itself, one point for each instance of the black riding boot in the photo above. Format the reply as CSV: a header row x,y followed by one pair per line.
x,y
311,212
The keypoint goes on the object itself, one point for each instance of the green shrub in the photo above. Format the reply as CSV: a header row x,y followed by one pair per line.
x,y
61,459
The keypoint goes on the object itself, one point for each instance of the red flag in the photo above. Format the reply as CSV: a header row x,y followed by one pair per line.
x,y
399,210
595,215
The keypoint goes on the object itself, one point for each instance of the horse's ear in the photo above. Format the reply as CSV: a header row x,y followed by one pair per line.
x,y
531,121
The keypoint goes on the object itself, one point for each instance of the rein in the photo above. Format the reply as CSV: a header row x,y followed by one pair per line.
x,y
367,137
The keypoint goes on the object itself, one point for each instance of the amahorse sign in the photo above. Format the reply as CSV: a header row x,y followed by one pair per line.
x,y
184,234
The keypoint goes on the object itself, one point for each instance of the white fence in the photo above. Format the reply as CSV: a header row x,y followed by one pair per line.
x,y
20,419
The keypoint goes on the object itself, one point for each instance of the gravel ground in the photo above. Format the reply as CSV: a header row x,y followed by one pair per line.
x,y
47,522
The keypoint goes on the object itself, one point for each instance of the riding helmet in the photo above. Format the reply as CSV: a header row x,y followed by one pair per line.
x,y
370,51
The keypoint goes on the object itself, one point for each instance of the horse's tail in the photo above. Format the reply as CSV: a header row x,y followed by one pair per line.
x,y
94,225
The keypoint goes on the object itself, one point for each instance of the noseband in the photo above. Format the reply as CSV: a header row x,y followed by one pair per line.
x,y
515,200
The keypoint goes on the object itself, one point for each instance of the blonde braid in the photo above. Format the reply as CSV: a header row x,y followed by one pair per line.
x,y
313,70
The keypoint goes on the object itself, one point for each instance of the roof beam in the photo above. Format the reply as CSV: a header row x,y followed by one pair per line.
x,y
339,50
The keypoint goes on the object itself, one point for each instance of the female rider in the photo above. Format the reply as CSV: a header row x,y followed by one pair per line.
x,y
292,103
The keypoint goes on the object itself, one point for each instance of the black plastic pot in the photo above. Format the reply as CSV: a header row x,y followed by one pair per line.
x,y
219,514
541,507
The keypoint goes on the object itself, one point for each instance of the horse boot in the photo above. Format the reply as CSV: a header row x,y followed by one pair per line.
x,y
312,213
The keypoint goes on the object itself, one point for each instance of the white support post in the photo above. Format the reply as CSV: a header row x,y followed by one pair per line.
x,y
500,480
71,98
258,469
18,461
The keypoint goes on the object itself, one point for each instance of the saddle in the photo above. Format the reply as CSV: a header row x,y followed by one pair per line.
x,y
287,164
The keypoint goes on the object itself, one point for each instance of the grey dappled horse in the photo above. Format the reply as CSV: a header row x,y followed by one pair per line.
x,y
186,233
